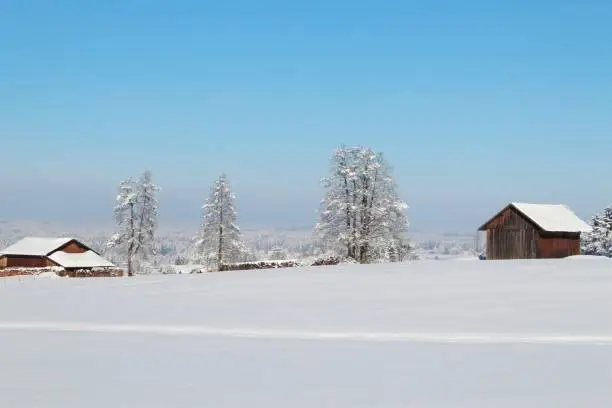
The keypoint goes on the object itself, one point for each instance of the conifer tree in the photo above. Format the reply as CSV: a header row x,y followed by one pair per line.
x,y
598,241
219,240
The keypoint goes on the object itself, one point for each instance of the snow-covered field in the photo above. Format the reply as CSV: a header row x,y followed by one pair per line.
x,y
422,334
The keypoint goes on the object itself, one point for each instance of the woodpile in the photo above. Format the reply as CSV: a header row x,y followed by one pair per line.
x,y
91,273
243,266
330,260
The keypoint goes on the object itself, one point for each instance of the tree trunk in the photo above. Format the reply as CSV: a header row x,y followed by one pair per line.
x,y
368,218
354,254
130,266
364,216
347,202
363,245
139,234
220,249
131,243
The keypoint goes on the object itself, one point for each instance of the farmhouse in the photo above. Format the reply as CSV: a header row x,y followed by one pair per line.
x,y
68,253
522,231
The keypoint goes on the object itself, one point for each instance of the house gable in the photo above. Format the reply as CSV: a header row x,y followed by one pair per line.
x,y
72,247
508,217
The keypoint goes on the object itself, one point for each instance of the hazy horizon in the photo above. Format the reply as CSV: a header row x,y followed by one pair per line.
x,y
181,209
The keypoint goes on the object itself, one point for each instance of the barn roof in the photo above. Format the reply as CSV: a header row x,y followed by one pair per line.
x,y
35,246
550,217
88,259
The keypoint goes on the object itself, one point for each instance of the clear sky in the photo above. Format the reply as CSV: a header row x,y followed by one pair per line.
x,y
475,104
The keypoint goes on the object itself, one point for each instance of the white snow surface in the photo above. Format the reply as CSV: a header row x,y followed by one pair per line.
x,y
88,259
553,217
48,275
424,334
589,257
35,246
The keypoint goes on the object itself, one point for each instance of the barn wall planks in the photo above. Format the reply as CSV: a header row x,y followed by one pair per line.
x,y
558,246
510,236
26,261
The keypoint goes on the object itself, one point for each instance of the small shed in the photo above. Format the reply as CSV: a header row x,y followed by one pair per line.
x,y
37,252
527,231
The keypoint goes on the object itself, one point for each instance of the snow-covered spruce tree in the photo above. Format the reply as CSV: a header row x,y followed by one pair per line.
x,y
136,218
599,240
361,215
219,240
147,211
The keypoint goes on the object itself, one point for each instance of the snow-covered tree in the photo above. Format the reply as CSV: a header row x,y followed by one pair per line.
x,y
136,217
599,240
398,250
277,253
361,215
219,240
125,217
148,209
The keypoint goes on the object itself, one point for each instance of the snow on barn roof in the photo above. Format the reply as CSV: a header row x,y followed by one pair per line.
x,y
553,217
35,246
87,259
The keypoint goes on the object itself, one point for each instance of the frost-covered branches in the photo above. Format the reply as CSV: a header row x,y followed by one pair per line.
x,y
136,217
148,211
361,214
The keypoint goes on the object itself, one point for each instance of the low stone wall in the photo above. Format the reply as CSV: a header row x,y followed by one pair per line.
x,y
8,272
243,266
79,273
91,273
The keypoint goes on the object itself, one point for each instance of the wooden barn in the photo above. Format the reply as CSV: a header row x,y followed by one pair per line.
x,y
525,231
68,253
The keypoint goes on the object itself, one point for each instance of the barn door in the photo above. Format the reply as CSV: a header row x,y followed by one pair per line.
x,y
511,243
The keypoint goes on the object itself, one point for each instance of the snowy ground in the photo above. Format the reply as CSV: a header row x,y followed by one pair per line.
x,y
423,334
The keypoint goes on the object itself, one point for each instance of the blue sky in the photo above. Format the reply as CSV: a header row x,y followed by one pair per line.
x,y
474,103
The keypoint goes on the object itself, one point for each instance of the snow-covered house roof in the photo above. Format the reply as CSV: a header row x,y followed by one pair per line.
x,y
35,246
550,217
87,259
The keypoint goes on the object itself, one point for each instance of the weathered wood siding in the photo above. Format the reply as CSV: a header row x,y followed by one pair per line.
x,y
26,262
511,236
558,245
2,261
73,247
